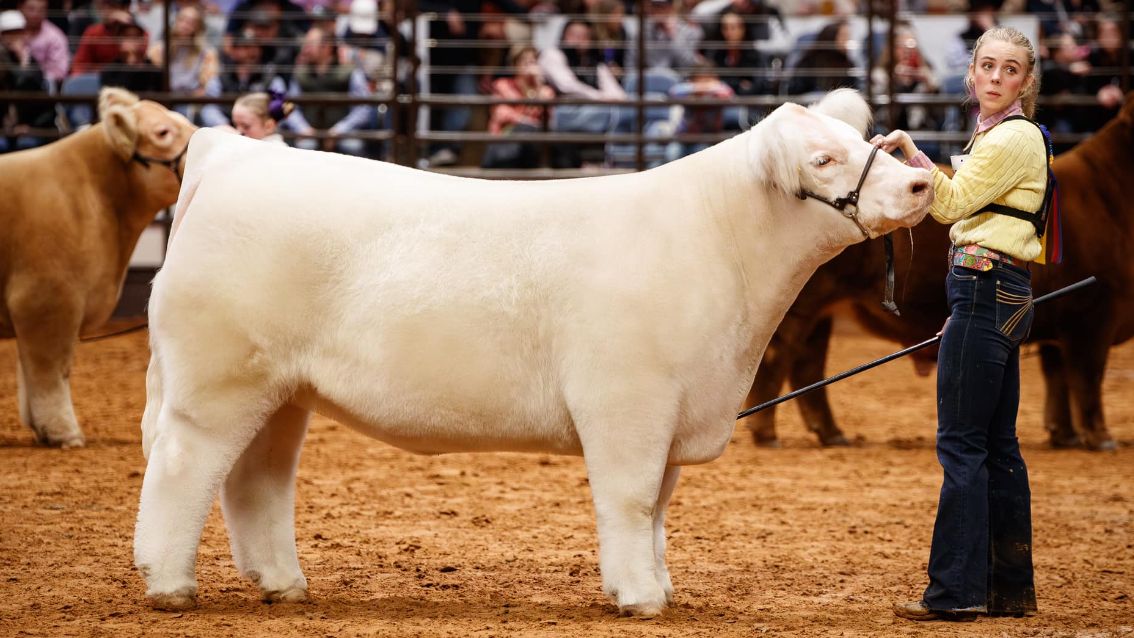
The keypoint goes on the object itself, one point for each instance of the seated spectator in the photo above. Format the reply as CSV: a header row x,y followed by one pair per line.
x,y
241,72
132,70
671,39
82,15
825,64
46,42
99,44
575,69
277,26
1105,80
982,17
606,17
193,62
150,15
757,15
366,29
509,118
319,71
258,115
729,47
703,82
375,67
20,72
289,19
1064,73
912,73
823,7
1062,16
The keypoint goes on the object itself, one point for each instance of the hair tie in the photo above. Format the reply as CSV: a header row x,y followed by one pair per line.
x,y
276,105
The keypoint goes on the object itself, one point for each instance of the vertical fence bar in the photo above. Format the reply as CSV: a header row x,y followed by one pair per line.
x,y
411,85
640,148
167,20
869,86
393,108
891,49
1126,34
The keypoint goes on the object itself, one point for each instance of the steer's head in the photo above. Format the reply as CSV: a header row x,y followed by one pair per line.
x,y
822,151
146,134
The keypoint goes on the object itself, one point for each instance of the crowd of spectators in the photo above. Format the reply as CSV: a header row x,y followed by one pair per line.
x,y
589,50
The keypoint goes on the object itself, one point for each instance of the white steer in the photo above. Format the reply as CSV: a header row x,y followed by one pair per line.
x,y
619,318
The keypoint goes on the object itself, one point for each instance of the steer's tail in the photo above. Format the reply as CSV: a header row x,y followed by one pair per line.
x,y
202,151
154,400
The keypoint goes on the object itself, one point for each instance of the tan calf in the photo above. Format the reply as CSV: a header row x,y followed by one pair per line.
x,y
71,213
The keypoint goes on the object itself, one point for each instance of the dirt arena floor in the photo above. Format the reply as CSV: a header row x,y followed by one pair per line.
x,y
799,541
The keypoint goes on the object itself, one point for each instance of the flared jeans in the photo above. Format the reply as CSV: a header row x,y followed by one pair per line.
x,y
981,557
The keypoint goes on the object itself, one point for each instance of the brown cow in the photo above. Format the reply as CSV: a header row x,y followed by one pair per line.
x,y
1075,332
72,212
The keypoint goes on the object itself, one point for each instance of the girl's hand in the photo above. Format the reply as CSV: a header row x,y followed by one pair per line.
x,y
897,139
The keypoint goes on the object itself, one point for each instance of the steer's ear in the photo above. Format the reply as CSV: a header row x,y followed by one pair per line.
x,y
110,96
846,105
775,159
121,127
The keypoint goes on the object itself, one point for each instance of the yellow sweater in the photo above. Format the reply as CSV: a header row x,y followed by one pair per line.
x,y
1008,166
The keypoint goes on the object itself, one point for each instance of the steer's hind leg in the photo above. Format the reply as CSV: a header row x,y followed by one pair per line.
x,y
258,500
669,482
192,452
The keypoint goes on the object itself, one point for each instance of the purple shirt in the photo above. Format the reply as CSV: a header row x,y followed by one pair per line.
x,y
49,49
921,160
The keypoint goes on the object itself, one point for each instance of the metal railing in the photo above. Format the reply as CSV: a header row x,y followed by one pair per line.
x,y
404,106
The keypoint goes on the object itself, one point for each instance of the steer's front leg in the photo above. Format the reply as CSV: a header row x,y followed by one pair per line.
x,y
625,474
46,341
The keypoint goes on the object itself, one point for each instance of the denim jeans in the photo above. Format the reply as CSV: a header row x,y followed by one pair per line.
x,y
982,539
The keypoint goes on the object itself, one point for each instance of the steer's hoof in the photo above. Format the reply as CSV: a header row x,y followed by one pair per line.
x,y
764,440
641,610
291,595
837,440
1066,442
1108,445
65,441
180,600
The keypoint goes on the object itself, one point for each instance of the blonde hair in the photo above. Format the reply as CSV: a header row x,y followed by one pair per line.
x,y
262,105
1015,38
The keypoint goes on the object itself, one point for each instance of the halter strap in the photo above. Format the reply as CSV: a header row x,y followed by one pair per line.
x,y
171,164
851,198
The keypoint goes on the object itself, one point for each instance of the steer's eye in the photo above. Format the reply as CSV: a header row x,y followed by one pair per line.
x,y
821,160
162,133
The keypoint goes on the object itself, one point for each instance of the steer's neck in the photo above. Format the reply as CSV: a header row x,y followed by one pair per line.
x,y
126,200
775,240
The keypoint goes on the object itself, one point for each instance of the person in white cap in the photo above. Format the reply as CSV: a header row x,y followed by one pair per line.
x,y
19,72
46,42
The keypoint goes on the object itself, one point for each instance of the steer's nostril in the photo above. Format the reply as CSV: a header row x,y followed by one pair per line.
x,y
919,187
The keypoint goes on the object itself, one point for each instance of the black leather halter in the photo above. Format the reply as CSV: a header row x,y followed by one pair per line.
x,y
171,164
840,204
